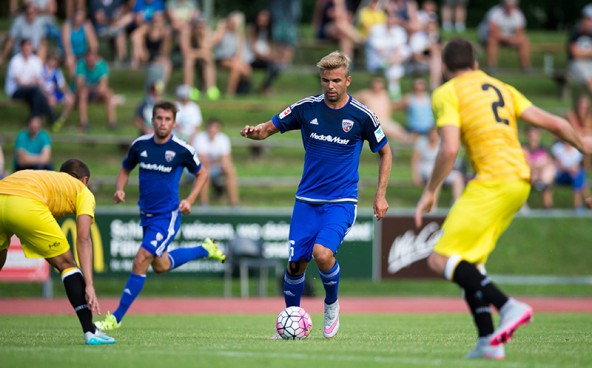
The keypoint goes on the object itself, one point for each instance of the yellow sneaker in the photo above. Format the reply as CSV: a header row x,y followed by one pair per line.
x,y
109,323
213,251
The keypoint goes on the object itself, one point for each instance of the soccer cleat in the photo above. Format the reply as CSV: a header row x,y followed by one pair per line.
x,y
97,338
109,323
213,251
331,325
512,315
484,350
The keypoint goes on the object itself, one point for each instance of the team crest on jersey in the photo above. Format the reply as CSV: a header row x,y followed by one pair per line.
x,y
285,113
347,125
169,156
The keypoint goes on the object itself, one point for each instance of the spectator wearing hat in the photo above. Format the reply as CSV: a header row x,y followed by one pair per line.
x,y
189,117
505,25
580,51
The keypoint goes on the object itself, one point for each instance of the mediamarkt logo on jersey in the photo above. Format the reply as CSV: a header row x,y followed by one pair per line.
x,y
328,138
155,167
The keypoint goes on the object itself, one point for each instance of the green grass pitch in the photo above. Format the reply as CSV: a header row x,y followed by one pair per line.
x,y
380,340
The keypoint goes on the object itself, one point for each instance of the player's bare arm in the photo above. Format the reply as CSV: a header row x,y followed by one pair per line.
x,y
384,173
449,147
259,132
198,183
556,125
120,183
84,249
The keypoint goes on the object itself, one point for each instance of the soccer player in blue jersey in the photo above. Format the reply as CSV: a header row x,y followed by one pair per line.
x,y
333,126
162,157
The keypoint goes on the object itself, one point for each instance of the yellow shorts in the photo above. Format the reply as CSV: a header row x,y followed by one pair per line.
x,y
40,234
479,217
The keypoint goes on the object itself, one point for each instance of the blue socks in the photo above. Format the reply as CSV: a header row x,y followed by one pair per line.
x,y
132,289
180,256
293,288
330,280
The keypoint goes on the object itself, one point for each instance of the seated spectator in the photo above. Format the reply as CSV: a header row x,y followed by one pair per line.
x,y
92,85
189,118
407,12
418,104
180,14
423,161
377,99
143,114
197,52
285,20
580,52
505,25
333,20
387,51
214,148
542,168
425,45
230,53
56,89
137,22
369,16
27,26
454,13
32,148
261,48
78,36
47,11
24,81
568,161
155,51
105,14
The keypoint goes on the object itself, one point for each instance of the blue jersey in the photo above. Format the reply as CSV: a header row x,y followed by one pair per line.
x,y
333,140
161,166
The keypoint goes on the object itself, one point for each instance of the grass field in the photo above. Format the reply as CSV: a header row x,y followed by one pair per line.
x,y
405,340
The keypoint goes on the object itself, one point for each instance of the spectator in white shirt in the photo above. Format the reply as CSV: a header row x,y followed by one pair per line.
x,y
24,80
387,50
214,148
570,171
505,25
189,117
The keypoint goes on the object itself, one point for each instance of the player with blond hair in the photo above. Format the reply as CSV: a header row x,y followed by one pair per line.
x,y
333,126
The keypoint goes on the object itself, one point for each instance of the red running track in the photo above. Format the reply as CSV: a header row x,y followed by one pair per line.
x,y
273,305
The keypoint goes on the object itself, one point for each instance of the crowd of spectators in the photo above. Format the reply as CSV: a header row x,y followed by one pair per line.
x,y
61,65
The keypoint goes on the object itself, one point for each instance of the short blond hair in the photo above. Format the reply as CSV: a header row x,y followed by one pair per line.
x,y
334,60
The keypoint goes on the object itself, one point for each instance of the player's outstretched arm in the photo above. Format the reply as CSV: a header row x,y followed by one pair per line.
x,y
120,183
384,173
84,249
554,124
259,132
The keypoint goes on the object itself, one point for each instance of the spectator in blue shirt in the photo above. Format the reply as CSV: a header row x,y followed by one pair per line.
x,y
32,149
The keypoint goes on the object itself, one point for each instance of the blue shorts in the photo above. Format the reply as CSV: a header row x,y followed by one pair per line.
x,y
325,224
577,182
159,231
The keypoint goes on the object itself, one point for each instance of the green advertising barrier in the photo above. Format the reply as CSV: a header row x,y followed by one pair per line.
x,y
116,236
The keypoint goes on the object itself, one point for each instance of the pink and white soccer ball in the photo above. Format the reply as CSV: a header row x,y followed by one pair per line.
x,y
293,323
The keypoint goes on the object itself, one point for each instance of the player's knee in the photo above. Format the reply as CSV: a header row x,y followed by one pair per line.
x,y
324,258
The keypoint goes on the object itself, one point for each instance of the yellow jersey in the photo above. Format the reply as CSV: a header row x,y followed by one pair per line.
x,y
62,193
485,109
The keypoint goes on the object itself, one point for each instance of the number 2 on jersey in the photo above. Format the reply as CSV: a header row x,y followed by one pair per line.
x,y
497,104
